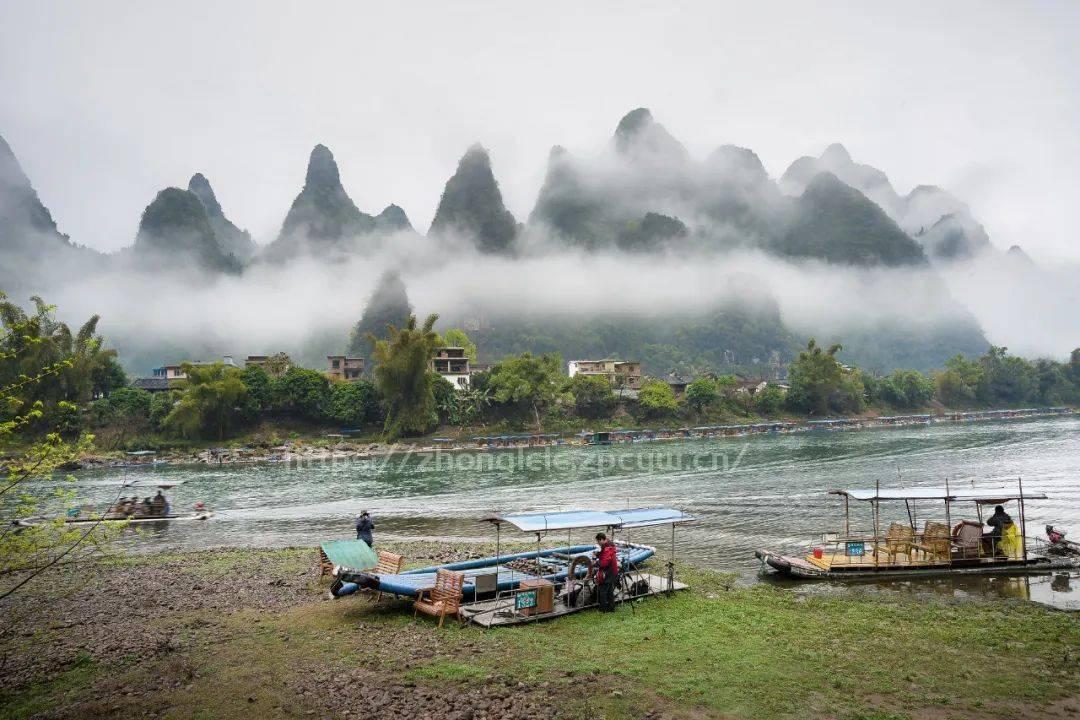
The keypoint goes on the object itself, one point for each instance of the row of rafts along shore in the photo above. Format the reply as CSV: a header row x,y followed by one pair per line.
x,y
301,451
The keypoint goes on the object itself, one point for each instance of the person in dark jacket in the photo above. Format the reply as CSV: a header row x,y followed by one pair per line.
x,y
607,573
364,526
998,521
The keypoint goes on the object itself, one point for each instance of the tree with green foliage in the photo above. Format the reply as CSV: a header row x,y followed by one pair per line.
x,y
527,382
455,337
126,410
161,405
815,377
593,395
73,361
656,399
447,404
403,379
475,400
702,393
1053,386
38,363
769,400
301,393
906,389
354,404
959,383
212,403
1007,379
107,375
260,391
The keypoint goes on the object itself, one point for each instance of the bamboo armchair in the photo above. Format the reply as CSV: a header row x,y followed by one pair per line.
x,y
899,540
444,598
389,564
936,542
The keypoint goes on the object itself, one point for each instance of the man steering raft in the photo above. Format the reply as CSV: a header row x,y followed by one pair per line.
x,y
607,573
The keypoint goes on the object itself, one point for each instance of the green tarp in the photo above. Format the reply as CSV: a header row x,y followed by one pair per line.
x,y
352,554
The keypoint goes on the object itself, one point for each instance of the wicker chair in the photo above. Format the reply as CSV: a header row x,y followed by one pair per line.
x,y
443,599
936,542
967,539
899,540
389,564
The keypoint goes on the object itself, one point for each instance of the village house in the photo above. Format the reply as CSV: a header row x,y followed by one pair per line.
x,y
453,364
622,374
160,377
342,367
276,365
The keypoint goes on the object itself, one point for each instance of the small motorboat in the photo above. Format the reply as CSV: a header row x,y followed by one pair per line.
x,y
504,572
942,546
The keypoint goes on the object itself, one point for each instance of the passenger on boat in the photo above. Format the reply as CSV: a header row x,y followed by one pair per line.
x,y
364,526
607,573
147,507
159,504
997,521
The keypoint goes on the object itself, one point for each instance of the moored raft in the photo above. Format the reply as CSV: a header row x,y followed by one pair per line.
x,y
556,560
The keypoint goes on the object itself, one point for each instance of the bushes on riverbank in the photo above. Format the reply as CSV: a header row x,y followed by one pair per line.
x,y
521,392
530,392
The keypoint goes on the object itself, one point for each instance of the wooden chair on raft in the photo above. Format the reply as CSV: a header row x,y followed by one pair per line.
x,y
444,598
389,564
967,539
899,540
936,542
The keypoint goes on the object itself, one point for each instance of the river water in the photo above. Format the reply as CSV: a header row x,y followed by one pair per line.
x,y
762,491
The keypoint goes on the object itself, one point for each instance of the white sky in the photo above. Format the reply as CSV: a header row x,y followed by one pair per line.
x,y
105,103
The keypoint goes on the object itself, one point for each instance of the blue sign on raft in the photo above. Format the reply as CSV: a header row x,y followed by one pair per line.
x,y
525,599
855,549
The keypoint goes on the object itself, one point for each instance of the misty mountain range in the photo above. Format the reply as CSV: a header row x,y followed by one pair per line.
x,y
644,197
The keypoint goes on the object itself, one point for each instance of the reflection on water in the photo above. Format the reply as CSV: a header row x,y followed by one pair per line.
x,y
1056,589
763,491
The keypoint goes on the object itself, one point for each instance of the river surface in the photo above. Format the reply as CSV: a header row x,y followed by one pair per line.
x,y
762,491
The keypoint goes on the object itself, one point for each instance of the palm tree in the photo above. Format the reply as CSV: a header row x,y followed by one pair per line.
x,y
402,376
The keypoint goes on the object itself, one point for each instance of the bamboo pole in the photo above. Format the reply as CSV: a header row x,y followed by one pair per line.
x,y
1023,522
948,516
877,513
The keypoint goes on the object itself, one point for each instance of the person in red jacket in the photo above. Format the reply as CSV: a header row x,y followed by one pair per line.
x,y
607,573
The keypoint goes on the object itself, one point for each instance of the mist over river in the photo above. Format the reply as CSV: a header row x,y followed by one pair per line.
x,y
761,491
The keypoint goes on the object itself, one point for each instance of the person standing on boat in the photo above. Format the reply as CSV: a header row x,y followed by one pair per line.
x,y
607,573
998,521
364,526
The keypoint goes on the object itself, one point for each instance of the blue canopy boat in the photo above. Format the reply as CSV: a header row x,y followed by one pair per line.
x,y
552,564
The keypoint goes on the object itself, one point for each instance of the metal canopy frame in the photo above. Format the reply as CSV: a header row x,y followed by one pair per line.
x,y
985,496
570,520
579,519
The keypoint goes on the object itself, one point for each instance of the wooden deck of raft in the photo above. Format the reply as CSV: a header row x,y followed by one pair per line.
x,y
500,612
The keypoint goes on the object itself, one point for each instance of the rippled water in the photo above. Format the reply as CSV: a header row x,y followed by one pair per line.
x,y
764,491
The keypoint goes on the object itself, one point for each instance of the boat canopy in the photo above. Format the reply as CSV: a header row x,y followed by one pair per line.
x,y
979,495
575,519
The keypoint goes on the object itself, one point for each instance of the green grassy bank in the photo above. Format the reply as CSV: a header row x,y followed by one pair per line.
x,y
718,650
